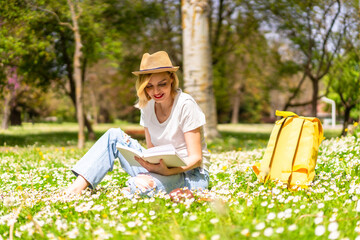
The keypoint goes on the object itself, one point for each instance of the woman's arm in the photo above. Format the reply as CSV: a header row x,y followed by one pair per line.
x,y
148,138
193,145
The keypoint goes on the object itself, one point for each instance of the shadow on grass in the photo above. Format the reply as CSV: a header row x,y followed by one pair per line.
x,y
229,140
55,138
238,141
246,141
46,139
63,138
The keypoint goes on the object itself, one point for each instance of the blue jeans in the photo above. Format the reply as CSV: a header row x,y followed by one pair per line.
x,y
100,158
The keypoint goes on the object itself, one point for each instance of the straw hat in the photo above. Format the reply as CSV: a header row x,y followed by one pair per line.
x,y
155,63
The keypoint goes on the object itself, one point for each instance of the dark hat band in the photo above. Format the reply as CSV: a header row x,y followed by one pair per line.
x,y
149,69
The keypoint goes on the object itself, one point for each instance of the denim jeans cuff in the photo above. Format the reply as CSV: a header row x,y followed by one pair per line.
x,y
77,173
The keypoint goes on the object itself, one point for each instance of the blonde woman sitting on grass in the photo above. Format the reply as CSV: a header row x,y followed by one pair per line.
x,y
168,116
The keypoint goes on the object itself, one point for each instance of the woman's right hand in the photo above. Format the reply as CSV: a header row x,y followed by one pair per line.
x,y
159,168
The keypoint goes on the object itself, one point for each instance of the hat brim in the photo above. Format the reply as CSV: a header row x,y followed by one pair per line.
x,y
156,70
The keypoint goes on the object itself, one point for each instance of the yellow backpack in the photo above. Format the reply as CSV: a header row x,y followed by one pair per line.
x,y
292,150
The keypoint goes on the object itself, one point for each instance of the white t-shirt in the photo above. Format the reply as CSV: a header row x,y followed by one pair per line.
x,y
185,116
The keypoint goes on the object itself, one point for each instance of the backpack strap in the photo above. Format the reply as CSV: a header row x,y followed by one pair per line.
x,y
292,146
281,167
319,128
262,170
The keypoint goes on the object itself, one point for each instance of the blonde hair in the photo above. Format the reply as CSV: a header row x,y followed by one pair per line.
x,y
143,80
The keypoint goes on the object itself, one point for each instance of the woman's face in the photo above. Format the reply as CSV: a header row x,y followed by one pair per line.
x,y
159,87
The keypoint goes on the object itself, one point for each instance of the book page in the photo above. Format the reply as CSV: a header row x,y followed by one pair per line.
x,y
158,150
165,152
129,154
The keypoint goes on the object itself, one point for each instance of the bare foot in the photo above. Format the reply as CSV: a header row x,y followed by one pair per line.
x,y
126,192
77,186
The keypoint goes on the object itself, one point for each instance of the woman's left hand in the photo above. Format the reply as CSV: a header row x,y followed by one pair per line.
x,y
159,168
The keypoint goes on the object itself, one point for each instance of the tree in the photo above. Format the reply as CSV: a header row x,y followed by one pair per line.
x,y
10,90
15,44
75,12
244,62
197,61
96,43
344,77
315,30
77,72
344,80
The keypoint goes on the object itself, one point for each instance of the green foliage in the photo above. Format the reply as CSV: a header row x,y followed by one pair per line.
x,y
247,62
244,63
344,84
344,79
130,18
18,41
306,29
222,92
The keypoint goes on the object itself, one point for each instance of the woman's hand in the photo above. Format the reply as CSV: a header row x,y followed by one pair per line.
x,y
159,168
193,145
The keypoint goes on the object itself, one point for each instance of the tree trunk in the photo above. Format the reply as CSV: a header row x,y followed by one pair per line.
x,y
236,106
197,60
77,77
315,83
6,113
88,125
94,106
346,120
72,93
15,117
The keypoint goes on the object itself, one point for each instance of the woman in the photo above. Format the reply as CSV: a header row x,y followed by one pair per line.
x,y
168,116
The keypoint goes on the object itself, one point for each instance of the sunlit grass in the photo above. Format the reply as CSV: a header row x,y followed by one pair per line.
x,y
236,206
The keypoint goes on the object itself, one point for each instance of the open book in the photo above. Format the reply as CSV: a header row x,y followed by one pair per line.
x,y
153,155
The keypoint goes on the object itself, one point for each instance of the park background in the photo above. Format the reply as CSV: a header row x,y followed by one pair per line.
x,y
263,56
65,66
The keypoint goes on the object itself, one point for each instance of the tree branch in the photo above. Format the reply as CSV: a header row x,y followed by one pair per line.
x,y
296,91
333,55
327,38
224,45
325,13
305,103
310,40
219,24
343,99
79,10
52,13
167,27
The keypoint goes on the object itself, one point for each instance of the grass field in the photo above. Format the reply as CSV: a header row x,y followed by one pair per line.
x,y
35,162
